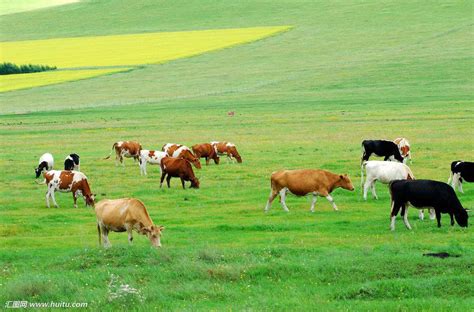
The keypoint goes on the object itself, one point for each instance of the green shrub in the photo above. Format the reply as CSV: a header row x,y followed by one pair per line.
x,y
10,68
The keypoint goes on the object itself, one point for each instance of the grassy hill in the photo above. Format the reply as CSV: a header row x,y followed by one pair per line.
x,y
346,71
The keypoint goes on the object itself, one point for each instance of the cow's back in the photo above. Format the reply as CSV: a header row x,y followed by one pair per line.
x,y
301,182
116,212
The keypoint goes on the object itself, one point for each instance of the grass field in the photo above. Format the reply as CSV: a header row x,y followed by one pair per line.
x,y
303,99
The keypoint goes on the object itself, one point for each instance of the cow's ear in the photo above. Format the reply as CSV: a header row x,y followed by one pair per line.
x,y
341,177
161,227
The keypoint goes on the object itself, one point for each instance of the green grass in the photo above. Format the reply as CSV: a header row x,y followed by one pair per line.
x,y
305,98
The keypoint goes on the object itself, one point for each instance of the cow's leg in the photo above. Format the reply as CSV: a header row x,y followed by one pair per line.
x,y
182,182
452,219
47,198
207,161
460,184
130,236
142,167
272,196
105,236
74,196
283,198
366,188
438,216
53,198
451,180
331,200
432,214
404,214
393,214
421,215
168,179
313,201
372,186
163,175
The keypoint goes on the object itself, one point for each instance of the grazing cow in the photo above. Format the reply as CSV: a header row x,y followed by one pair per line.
x,y
72,162
127,149
425,193
125,214
45,163
151,157
381,148
181,151
227,148
305,181
207,151
461,170
386,172
404,148
68,181
178,168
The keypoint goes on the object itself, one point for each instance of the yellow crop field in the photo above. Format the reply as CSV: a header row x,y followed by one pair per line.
x,y
132,49
23,81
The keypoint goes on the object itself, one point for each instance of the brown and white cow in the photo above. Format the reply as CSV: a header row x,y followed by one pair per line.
x,y
178,168
181,151
68,181
125,214
404,147
207,151
227,148
150,157
306,181
129,149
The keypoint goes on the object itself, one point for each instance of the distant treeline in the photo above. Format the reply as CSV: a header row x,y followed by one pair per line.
x,y
10,68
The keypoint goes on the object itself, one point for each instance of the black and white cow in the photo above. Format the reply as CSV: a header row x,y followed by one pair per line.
x,y
72,162
461,170
425,193
45,163
381,148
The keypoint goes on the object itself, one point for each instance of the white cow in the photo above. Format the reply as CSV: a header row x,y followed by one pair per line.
x,y
45,163
386,172
151,157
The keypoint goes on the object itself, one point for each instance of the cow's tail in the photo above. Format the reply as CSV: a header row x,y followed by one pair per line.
x,y
410,175
113,148
362,168
98,231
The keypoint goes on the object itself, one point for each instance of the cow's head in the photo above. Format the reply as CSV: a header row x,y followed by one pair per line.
x,y
194,182
196,162
216,159
235,154
153,232
90,200
38,172
461,217
345,182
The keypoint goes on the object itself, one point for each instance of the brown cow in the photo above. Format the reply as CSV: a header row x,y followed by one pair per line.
x,y
181,151
125,214
178,168
127,149
404,147
305,181
68,181
207,151
227,148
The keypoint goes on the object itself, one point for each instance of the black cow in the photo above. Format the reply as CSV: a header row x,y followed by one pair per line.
x,y
425,193
461,170
381,148
72,162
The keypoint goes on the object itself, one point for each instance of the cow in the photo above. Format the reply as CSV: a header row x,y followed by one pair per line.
x,y
425,193
461,170
68,181
207,151
151,157
177,168
125,214
129,149
381,148
227,148
386,172
404,148
181,151
45,163
305,181
72,162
